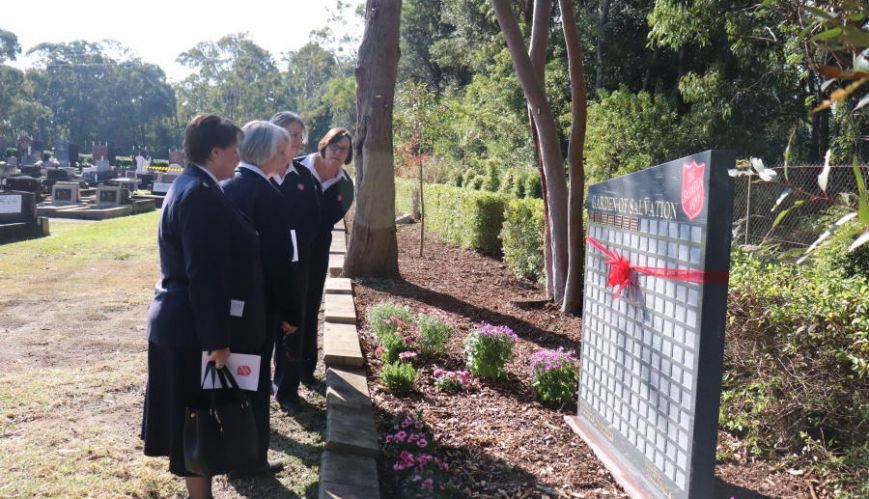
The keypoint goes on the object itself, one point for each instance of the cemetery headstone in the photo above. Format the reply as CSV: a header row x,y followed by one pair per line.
x,y
62,152
17,207
657,261
66,193
100,151
26,184
112,196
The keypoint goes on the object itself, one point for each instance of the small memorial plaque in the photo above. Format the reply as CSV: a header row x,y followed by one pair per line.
x,y
63,194
10,204
654,308
160,187
109,196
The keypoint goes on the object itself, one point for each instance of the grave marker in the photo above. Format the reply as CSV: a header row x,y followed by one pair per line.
x,y
17,207
654,309
112,196
66,193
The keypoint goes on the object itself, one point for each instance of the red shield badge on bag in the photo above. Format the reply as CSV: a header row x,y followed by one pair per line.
x,y
693,192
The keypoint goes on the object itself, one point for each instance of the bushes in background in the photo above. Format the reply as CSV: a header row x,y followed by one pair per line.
x,y
522,238
485,221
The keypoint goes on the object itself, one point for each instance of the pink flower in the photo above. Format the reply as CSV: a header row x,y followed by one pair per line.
x,y
407,355
400,436
427,484
421,443
408,341
406,422
438,372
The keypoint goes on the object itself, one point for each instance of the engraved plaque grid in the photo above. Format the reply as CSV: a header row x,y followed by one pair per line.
x,y
639,357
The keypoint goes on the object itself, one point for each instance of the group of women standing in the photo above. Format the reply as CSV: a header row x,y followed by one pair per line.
x,y
244,241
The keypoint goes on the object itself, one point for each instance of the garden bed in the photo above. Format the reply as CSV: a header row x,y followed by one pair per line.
x,y
498,439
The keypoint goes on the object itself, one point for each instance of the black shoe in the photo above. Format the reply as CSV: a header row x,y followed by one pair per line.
x,y
292,407
270,467
311,382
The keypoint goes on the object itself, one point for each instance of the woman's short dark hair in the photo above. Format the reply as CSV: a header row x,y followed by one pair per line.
x,y
204,133
334,136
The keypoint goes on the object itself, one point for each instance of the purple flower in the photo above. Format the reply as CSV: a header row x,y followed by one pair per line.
x,y
407,356
547,360
496,332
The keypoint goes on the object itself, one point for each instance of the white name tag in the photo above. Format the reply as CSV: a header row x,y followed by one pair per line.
x,y
236,308
295,245
244,368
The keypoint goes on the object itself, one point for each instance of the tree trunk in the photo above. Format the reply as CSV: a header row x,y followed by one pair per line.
x,y
553,165
537,54
373,250
576,168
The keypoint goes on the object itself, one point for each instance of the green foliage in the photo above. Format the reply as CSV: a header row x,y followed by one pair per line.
x,y
487,350
399,377
382,318
522,238
554,376
797,360
434,334
630,131
834,256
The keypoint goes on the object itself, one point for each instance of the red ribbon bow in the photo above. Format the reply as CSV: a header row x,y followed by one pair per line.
x,y
620,271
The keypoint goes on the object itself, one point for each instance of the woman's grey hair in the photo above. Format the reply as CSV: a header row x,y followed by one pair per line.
x,y
284,119
261,140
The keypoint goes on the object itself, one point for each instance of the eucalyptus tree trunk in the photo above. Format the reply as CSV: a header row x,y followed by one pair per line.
x,y
550,150
373,249
563,214
576,168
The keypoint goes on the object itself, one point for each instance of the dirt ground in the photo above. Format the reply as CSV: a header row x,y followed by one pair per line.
x,y
73,350
500,441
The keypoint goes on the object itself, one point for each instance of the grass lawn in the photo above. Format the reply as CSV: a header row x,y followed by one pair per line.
x,y
73,351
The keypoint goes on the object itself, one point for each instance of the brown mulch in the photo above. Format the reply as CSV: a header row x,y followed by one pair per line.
x,y
499,440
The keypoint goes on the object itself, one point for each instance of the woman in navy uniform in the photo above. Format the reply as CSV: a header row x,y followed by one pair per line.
x,y
334,151
262,151
301,193
209,297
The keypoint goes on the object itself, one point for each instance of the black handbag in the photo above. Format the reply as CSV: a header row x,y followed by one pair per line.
x,y
221,437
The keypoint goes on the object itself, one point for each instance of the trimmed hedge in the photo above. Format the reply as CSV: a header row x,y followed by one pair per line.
x,y
492,223
522,238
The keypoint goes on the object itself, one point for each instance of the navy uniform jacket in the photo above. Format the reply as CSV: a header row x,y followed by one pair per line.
x,y
200,232
336,202
262,203
302,195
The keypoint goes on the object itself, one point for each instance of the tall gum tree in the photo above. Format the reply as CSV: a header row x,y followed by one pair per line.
x,y
563,206
373,250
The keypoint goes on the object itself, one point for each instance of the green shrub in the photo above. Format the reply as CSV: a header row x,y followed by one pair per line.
x,y
433,334
387,318
404,189
519,181
797,363
463,217
554,375
399,377
393,346
487,349
522,238
834,255
533,189
492,177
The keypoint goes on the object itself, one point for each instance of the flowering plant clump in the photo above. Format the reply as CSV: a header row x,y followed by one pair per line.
x,y
451,381
386,318
404,337
554,375
487,349
399,377
420,472
434,333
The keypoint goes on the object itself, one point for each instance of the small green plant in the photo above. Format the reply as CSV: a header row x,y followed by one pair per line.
x,y
451,381
434,333
399,377
487,349
554,375
381,316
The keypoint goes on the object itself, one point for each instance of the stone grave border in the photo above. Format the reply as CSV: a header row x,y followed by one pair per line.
x,y
348,466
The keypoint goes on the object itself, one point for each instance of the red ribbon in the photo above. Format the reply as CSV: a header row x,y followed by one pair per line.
x,y
620,271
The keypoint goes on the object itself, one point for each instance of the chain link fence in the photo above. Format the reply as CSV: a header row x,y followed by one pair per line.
x,y
757,204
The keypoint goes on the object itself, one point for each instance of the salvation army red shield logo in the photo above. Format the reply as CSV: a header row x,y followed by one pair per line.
x,y
693,192
243,371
